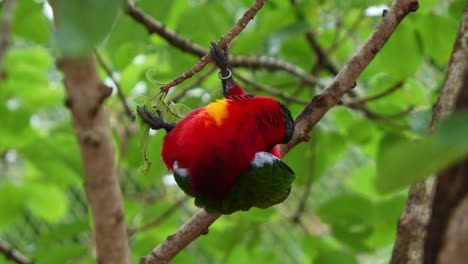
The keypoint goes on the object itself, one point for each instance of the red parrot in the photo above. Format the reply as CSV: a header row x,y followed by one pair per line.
x,y
226,153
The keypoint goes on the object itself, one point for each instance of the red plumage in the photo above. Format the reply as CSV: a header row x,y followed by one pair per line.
x,y
216,143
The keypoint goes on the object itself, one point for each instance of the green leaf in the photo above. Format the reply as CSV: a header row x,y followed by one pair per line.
x,y
176,111
47,201
276,39
12,199
62,253
437,46
335,257
453,131
400,56
402,161
64,231
362,180
29,22
349,224
141,100
82,24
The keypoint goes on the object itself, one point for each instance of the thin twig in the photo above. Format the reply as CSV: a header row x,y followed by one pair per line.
x,y
122,98
388,91
157,27
270,63
13,254
223,43
271,90
254,62
5,25
192,85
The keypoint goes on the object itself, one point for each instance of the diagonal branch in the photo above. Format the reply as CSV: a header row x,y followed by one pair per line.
x,y
223,43
193,228
346,78
157,27
254,62
191,85
13,254
271,90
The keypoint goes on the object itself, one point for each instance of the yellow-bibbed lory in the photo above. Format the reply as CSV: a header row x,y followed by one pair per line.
x,y
226,154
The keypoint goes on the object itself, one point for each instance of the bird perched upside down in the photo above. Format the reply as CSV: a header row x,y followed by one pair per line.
x,y
226,153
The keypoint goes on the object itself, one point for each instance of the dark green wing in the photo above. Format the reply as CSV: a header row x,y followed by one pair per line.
x,y
268,182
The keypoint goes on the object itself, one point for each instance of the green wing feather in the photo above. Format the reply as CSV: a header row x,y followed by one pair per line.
x,y
263,185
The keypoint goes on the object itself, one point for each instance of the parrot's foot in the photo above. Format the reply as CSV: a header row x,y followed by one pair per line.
x,y
221,58
155,122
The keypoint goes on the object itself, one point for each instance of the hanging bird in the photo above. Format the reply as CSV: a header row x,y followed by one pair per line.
x,y
226,154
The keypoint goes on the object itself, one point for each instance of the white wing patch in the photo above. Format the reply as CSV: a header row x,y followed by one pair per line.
x,y
261,158
181,171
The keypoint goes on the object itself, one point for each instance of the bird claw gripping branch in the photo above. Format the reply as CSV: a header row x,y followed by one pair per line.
x,y
221,59
226,154
155,122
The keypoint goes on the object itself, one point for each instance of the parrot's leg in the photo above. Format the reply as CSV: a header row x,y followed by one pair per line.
x,y
221,58
155,122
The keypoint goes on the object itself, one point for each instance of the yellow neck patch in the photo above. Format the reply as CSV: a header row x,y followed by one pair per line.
x,y
217,111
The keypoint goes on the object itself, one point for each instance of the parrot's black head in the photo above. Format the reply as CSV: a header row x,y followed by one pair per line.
x,y
288,122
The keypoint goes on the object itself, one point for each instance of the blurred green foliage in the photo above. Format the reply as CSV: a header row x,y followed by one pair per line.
x,y
359,167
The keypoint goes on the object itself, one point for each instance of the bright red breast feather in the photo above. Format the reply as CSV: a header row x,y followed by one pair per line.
x,y
217,142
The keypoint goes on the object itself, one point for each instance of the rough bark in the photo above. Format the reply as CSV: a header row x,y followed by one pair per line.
x,y
412,227
452,183
85,96
454,249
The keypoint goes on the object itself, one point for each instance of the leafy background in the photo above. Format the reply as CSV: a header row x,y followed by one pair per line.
x,y
355,186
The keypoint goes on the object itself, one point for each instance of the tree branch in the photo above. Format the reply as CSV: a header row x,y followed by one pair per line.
x,y
168,249
254,62
451,184
85,95
346,78
412,227
191,85
13,254
157,27
5,25
223,43
271,90
388,91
